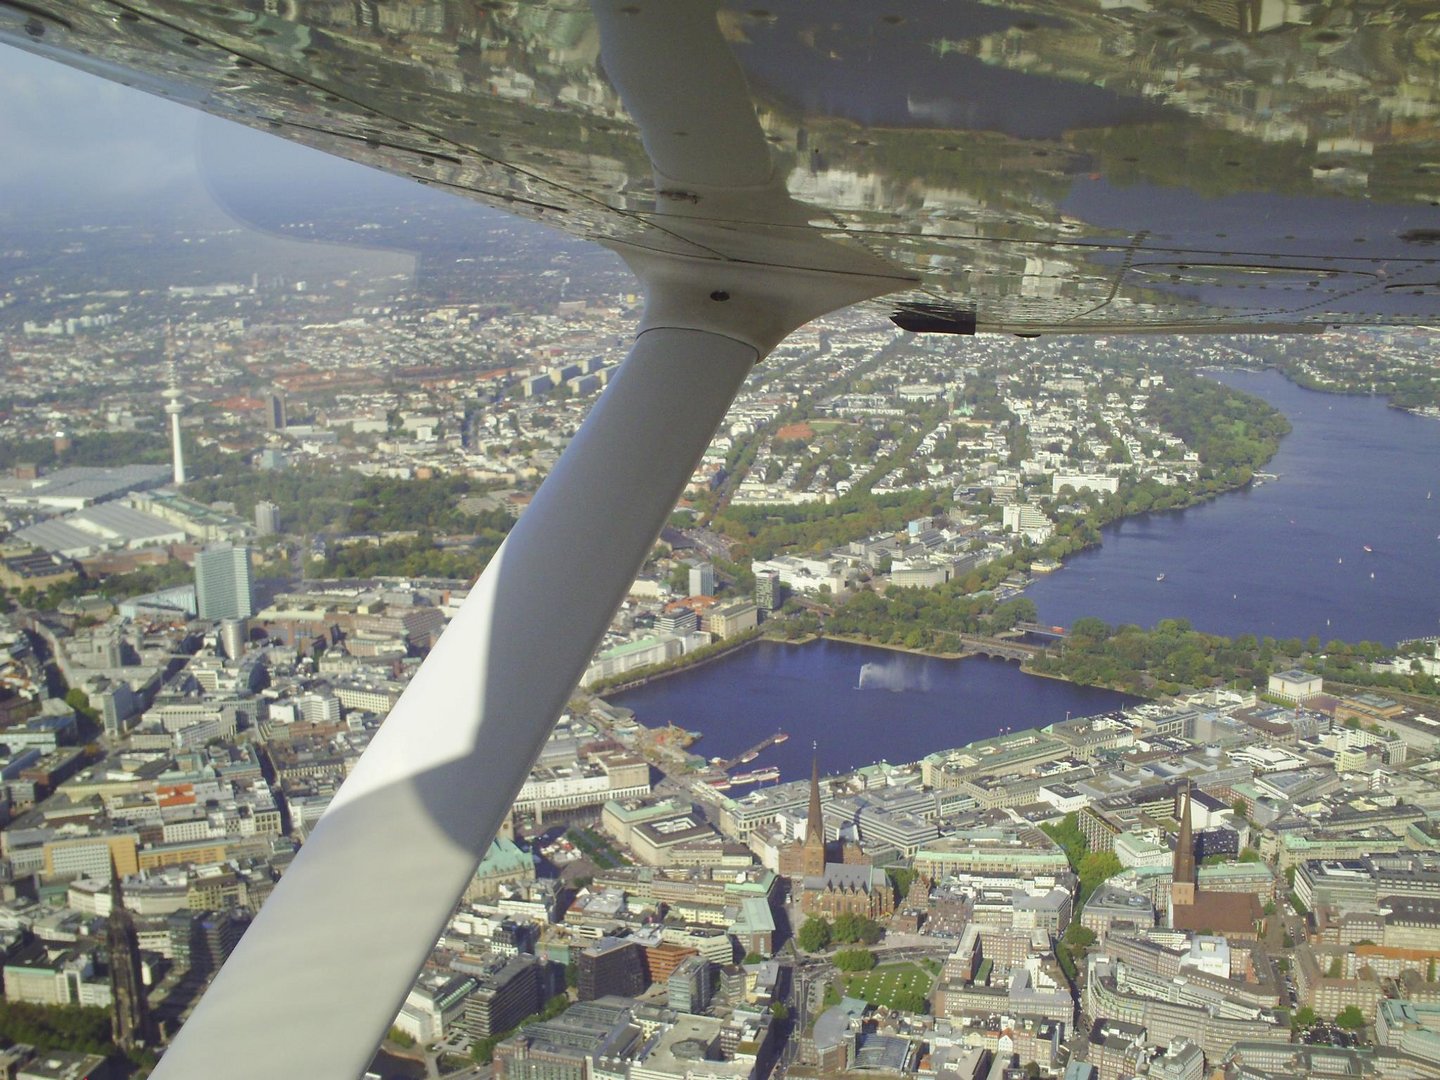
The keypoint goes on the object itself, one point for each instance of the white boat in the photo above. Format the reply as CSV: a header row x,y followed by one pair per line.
x,y
759,776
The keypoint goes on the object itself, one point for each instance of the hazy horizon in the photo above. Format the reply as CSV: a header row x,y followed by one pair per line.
x,y
75,138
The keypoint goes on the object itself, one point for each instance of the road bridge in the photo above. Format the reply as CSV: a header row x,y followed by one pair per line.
x,y
1001,648
1058,632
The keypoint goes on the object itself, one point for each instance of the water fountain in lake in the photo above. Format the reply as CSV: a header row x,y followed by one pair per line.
x,y
895,675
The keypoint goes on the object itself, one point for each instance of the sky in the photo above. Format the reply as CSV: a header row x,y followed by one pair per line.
x,y
69,136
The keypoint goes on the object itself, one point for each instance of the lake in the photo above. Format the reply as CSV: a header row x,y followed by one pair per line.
x,y
908,706
1286,558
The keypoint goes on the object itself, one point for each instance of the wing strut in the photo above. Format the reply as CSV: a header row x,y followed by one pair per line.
x,y
323,971
321,974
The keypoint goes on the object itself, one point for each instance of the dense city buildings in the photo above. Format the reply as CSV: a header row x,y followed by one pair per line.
x,y
210,615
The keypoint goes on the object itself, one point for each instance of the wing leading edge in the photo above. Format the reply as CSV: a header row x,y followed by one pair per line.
x,y
1060,168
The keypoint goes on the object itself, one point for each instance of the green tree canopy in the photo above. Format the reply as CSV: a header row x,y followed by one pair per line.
x,y
815,935
849,927
854,959
1350,1018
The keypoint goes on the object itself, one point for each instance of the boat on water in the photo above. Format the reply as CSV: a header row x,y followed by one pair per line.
x,y
749,755
756,776
780,737
721,783
1367,549
1159,577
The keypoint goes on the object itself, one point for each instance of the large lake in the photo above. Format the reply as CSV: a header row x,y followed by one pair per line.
x,y
1286,558
908,706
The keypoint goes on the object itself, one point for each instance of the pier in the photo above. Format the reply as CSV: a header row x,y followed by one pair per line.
x,y
752,753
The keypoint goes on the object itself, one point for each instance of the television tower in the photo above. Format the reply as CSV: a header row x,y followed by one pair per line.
x,y
174,408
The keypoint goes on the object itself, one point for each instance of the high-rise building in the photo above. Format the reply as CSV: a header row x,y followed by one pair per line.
x,y
767,590
702,579
275,411
233,635
203,940
130,1021
508,991
691,985
223,582
267,518
612,966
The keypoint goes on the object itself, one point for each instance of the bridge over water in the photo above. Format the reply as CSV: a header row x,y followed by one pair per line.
x,y
1057,632
1001,648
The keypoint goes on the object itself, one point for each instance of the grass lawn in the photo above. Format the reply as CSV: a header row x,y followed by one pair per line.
x,y
885,983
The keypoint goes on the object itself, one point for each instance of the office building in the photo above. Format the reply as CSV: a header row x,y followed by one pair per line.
x,y
691,985
727,620
507,991
767,590
612,966
200,941
678,622
223,582
233,635
1294,686
571,1045
275,411
702,579
267,518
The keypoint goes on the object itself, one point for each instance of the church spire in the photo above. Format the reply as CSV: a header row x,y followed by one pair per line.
x,y
813,822
130,1019
813,858
1183,880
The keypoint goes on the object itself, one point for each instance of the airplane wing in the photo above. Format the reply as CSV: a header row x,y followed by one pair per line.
x,y
1129,165
1051,166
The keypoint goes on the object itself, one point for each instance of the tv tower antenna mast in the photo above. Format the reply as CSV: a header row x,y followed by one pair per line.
x,y
174,408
